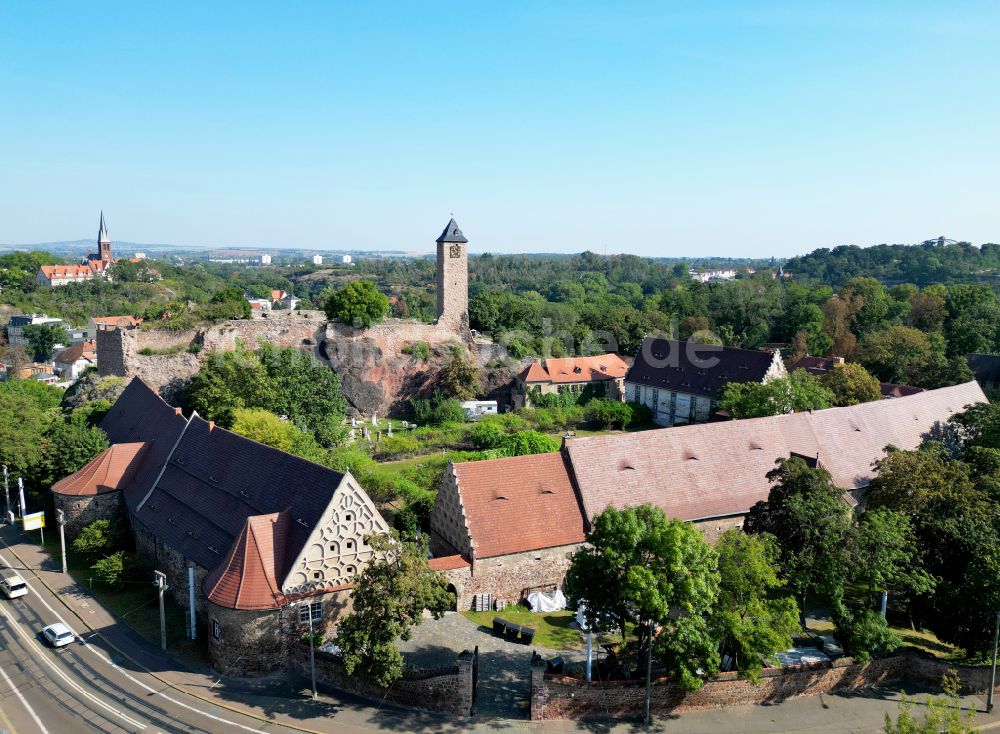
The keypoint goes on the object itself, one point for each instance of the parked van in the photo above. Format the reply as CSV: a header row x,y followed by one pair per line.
x,y
12,584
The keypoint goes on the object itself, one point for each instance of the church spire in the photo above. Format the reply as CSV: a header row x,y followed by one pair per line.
x,y
102,235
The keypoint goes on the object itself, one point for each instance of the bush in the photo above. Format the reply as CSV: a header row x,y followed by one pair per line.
x,y
113,569
358,304
863,633
487,434
610,413
528,442
96,538
437,411
419,350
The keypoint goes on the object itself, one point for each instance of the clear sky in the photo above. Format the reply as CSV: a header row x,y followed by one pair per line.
x,y
662,128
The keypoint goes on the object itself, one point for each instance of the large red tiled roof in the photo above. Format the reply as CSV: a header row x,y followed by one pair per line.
x,y
249,577
519,504
577,369
718,469
109,471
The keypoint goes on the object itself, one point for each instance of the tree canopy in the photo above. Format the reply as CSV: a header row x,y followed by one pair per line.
x,y
359,303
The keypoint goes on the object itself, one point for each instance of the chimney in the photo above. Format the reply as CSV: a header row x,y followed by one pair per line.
x,y
211,426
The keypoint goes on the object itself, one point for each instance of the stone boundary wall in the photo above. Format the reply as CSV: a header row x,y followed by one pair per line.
x,y
558,697
447,690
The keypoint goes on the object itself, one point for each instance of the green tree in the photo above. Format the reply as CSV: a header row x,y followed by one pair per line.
x,y
797,392
389,599
884,556
641,569
42,338
460,378
806,512
113,569
306,391
67,447
96,538
941,715
228,381
265,427
359,303
752,616
229,303
851,384
862,633
22,425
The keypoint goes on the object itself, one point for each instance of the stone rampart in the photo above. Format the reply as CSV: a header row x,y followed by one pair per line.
x,y
560,697
443,690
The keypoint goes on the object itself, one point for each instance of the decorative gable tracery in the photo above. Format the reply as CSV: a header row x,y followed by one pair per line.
x,y
336,550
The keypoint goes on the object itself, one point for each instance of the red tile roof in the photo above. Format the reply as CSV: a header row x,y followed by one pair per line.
x,y
110,471
58,272
248,578
718,469
519,504
109,321
577,369
447,563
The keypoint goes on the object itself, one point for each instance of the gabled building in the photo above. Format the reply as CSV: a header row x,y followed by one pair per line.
x,y
604,375
681,381
70,363
508,526
259,539
986,368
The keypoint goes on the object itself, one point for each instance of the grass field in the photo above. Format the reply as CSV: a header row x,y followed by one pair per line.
x,y
552,629
136,602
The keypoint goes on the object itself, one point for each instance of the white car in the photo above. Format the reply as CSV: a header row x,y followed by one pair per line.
x,y
59,634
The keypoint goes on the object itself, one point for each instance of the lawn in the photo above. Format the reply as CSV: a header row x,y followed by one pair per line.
x,y
136,603
552,629
924,640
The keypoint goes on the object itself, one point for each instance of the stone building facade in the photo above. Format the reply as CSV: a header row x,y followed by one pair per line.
x,y
255,543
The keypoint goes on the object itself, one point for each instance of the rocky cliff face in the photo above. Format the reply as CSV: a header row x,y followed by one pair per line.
x,y
376,376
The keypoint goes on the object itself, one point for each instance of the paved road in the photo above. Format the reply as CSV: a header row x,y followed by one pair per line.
x,y
87,686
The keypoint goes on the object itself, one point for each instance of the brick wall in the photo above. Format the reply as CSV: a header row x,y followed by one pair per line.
x,y
444,690
555,697
246,643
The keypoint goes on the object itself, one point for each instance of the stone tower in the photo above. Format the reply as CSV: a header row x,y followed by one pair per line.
x,y
453,278
103,242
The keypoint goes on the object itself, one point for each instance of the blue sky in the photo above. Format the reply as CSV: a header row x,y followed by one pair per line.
x,y
659,128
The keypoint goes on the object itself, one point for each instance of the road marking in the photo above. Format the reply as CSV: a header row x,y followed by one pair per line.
x,y
69,681
130,677
23,700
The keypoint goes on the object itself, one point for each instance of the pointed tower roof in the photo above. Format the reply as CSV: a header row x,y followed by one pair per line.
x,y
248,578
109,471
102,235
452,233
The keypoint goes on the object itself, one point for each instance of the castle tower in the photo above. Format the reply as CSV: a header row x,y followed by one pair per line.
x,y
453,278
103,242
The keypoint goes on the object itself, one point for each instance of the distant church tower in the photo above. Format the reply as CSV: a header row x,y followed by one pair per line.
x,y
453,278
103,243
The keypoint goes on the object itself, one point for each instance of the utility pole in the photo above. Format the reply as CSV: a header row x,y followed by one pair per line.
x,y
61,522
993,670
161,584
649,676
6,494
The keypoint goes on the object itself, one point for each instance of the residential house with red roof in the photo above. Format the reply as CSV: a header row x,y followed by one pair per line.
x,y
603,374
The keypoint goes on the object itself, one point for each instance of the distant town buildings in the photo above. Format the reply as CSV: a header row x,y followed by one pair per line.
x,y
317,259
138,255
265,259
95,266
708,275
346,259
15,327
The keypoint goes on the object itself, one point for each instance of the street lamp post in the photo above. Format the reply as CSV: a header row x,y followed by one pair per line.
x,y
61,520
